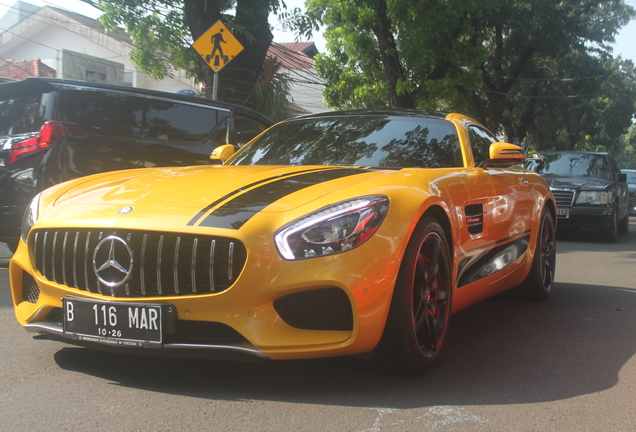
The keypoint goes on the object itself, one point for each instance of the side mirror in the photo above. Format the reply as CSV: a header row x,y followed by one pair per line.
x,y
504,154
222,153
622,178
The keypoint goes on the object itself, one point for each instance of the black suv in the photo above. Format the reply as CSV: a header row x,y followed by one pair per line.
x,y
590,190
55,130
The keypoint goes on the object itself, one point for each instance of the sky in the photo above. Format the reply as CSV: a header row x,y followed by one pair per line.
x,y
625,41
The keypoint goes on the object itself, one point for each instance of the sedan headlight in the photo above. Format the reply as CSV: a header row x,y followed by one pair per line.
x,y
31,216
334,229
593,197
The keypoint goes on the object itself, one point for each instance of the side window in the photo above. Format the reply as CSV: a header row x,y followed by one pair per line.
x,y
246,129
174,121
480,140
103,113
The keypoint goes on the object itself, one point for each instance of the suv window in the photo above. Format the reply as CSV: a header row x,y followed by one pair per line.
x,y
246,129
20,116
174,121
103,113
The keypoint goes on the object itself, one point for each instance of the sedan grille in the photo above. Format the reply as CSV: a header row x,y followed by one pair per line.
x,y
563,197
131,263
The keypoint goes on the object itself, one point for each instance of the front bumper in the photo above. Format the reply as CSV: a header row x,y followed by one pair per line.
x,y
266,314
596,218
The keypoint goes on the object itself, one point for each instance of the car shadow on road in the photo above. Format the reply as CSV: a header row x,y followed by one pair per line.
x,y
500,351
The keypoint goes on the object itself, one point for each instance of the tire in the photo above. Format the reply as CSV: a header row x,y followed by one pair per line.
x,y
539,282
623,227
611,233
420,311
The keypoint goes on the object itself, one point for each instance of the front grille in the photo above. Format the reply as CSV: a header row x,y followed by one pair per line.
x,y
563,197
160,264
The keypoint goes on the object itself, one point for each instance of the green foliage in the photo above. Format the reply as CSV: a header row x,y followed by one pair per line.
x,y
539,71
272,99
159,33
162,32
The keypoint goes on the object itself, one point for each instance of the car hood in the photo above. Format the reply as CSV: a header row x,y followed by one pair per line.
x,y
239,188
580,183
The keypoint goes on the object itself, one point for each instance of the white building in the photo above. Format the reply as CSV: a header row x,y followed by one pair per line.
x,y
47,41
75,47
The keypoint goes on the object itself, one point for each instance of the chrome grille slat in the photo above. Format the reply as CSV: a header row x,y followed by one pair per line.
x,y
64,258
200,264
53,256
563,197
159,250
88,239
211,266
176,265
75,243
142,266
193,265
43,270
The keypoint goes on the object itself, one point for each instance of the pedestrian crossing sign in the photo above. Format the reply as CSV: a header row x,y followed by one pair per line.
x,y
217,46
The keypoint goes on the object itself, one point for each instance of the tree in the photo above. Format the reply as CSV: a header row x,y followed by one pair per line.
x,y
399,53
505,62
163,30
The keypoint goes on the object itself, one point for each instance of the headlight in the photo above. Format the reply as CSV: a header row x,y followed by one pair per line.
x,y
334,229
593,197
30,216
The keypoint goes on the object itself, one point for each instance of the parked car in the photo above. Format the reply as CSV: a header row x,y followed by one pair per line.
x,y
631,185
332,234
590,190
55,130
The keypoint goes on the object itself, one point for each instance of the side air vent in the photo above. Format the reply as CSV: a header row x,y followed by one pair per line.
x,y
475,218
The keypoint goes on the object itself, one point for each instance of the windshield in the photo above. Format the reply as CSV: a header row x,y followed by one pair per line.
x,y
357,140
573,164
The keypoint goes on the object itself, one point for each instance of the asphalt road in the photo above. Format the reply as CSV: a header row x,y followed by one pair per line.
x,y
567,364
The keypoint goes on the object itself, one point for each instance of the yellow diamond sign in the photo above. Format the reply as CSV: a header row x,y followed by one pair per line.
x,y
217,46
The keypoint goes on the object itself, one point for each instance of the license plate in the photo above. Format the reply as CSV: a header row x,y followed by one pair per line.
x,y
563,213
113,323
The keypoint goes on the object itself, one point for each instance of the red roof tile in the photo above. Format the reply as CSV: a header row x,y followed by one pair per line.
x,y
20,70
292,55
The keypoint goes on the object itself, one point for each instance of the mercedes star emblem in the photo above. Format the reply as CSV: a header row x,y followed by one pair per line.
x,y
112,261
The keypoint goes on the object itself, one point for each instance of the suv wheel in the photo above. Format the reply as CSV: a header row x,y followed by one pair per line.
x,y
611,233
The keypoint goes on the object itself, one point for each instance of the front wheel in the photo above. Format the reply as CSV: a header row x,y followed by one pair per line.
x,y
611,234
538,284
420,310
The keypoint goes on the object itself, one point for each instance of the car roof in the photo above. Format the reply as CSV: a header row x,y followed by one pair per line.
x,y
401,112
14,89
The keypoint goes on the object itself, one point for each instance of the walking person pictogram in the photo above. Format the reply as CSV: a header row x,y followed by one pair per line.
x,y
217,40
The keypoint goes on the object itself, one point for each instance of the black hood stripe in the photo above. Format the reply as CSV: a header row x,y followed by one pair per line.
x,y
200,214
234,213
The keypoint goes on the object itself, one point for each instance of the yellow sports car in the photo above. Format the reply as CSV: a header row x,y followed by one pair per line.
x,y
331,234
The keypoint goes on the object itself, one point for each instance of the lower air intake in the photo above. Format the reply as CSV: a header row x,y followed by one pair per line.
x,y
30,289
318,309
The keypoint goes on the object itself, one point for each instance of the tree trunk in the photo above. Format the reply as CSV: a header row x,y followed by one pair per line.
x,y
390,59
238,78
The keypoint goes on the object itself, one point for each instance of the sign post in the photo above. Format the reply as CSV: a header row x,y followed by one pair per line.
x,y
217,46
